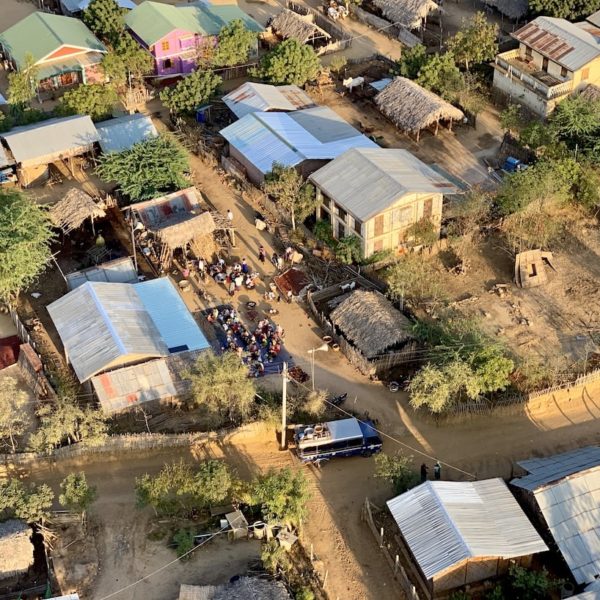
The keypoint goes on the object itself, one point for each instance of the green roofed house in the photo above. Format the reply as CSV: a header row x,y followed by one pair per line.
x,y
65,52
173,34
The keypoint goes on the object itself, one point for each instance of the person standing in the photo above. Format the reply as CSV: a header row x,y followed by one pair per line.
x,y
424,470
230,217
280,263
437,470
262,254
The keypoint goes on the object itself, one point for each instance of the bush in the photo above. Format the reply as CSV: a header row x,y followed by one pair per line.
x,y
396,470
184,542
324,232
414,279
423,233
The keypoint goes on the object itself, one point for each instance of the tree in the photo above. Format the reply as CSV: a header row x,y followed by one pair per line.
x,y
290,191
289,62
221,385
337,64
32,504
76,493
234,44
282,495
470,212
96,100
191,92
441,75
423,232
475,42
25,237
565,9
348,249
22,84
184,541
148,169
576,120
525,584
414,279
14,416
412,60
397,470
127,63
511,118
274,557
106,19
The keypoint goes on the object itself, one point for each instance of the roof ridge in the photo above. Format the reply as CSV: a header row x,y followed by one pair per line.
x,y
43,18
104,315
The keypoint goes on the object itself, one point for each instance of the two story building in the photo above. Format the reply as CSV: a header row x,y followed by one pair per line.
x,y
376,194
555,59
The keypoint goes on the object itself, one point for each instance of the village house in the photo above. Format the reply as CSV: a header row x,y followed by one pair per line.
x,y
555,59
462,533
305,139
65,52
376,194
175,35
74,8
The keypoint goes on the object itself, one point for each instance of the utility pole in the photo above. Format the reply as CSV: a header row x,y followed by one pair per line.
x,y
284,406
133,242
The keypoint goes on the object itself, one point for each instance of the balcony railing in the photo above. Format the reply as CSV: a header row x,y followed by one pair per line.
x,y
511,63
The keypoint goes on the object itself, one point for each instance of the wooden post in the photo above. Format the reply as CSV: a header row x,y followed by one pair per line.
x,y
381,538
396,564
311,553
325,578
437,126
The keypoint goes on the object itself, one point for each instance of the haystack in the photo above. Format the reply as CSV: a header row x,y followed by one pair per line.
x,y
371,323
71,212
242,589
179,230
408,13
288,24
412,108
591,93
16,549
513,9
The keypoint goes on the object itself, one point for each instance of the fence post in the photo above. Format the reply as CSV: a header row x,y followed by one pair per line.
x,y
381,538
396,564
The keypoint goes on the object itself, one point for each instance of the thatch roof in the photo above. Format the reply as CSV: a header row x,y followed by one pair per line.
x,y
591,93
16,549
371,323
76,206
408,13
245,588
288,24
182,228
413,108
513,9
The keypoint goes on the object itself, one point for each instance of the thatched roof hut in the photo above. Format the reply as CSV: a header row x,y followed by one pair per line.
x,y
513,9
591,93
16,549
408,13
288,24
179,230
371,323
412,108
242,589
71,212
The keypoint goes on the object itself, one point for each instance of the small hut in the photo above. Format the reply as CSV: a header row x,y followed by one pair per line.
x,y
16,549
412,108
71,212
512,9
241,589
291,25
411,14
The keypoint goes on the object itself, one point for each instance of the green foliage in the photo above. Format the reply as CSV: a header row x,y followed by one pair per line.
x,y
32,504
324,232
127,60
25,236
469,212
475,42
106,19
290,62
414,279
221,385
412,61
441,75
180,488
96,100
537,136
148,169
460,596
282,496
275,559
234,44
22,84
76,493
14,416
565,9
511,118
397,470
495,593
289,190
184,542
304,593
423,233
587,188
337,64
529,585
191,92
348,250
576,121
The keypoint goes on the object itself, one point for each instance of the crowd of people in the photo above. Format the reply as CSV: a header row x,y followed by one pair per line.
x,y
234,277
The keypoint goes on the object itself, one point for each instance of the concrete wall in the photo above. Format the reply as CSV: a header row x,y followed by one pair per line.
x,y
515,91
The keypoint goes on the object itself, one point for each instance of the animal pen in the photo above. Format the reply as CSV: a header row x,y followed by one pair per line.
x,y
411,14
372,334
290,25
74,209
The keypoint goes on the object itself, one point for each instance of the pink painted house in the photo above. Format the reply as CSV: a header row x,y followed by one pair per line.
x,y
173,33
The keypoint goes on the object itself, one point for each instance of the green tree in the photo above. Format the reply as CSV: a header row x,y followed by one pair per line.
x,y
282,496
304,593
76,493
576,120
275,559
14,416
106,19
290,191
348,249
441,75
221,385
148,169
22,84
96,100
412,61
337,64
32,503
25,237
290,62
529,585
423,232
587,188
475,42
127,63
413,279
184,542
397,470
191,92
234,44
469,213
565,9
511,118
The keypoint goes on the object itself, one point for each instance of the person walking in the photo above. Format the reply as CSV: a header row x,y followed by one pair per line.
x,y
280,263
437,470
275,259
262,254
424,471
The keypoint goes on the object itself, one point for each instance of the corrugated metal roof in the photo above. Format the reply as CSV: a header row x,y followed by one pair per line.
x,y
131,386
594,18
446,522
67,597
170,315
52,137
564,42
380,84
290,138
366,181
74,6
4,160
260,97
120,270
120,134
